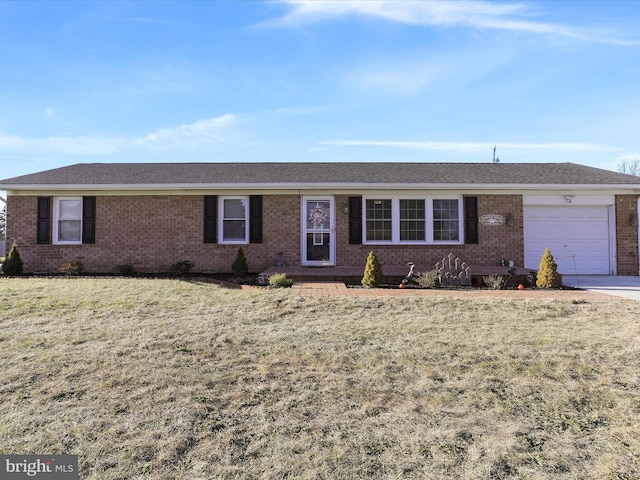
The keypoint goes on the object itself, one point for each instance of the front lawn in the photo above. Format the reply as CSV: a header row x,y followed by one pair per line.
x,y
170,379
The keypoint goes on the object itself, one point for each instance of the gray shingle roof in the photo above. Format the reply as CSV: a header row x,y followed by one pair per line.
x,y
342,174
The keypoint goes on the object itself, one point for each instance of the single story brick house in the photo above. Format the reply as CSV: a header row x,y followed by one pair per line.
x,y
324,214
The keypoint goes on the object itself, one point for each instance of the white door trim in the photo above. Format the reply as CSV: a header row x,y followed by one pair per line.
x,y
331,231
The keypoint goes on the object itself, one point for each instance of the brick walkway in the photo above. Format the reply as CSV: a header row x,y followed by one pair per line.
x,y
334,289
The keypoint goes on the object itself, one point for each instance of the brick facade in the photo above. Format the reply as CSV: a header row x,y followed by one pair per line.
x,y
495,242
627,234
151,232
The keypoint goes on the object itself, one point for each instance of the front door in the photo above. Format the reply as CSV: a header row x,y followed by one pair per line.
x,y
318,231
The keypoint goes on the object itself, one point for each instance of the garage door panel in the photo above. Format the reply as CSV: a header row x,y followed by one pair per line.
x,y
578,238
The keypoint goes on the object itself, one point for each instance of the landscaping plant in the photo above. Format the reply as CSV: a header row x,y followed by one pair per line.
x,y
181,269
548,276
428,279
239,266
372,272
126,270
13,263
71,268
280,280
494,282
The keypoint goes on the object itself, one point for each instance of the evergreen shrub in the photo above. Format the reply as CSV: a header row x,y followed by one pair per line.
x,y
181,269
239,266
372,272
126,270
12,264
548,276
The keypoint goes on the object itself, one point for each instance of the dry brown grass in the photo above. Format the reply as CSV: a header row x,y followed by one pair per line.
x,y
168,379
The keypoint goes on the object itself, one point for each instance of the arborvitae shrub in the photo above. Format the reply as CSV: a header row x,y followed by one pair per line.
x,y
239,266
13,263
548,276
372,272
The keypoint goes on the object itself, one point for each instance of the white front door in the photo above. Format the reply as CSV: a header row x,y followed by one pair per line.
x,y
318,231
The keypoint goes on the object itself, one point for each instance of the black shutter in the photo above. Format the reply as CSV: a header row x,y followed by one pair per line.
x,y
355,220
210,215
255,219
470,219
88,219
44,221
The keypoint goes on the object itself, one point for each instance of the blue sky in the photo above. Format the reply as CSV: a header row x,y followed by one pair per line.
x,y
297,80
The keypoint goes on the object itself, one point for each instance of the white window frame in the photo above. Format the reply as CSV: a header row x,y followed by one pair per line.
x,y
56,221
395,220
221,220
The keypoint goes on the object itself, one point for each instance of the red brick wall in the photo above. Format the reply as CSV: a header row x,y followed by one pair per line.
x,y
152,232
627,234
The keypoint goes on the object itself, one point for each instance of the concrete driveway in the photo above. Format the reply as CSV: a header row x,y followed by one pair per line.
x,y
627,287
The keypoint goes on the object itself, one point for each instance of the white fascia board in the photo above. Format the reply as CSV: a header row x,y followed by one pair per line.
x,y
334,187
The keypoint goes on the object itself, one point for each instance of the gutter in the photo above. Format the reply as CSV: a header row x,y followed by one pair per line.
x,y
319,186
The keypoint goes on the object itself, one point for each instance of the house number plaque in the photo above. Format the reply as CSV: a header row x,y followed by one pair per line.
x,y
492,219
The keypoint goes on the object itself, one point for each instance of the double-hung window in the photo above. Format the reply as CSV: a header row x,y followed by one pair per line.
x,y
446,220
67,220
415,220
412,216
379,221
234,216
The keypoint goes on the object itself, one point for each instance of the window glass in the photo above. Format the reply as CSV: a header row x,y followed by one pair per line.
x,y
318,215
412,220
378,226
69,220
234,221
421,220
446,220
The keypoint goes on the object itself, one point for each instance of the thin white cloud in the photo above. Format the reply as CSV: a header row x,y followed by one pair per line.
x,y
190,135
472,147
629,157
200,133
445,13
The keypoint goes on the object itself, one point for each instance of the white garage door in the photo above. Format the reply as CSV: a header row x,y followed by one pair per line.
x,y
578,238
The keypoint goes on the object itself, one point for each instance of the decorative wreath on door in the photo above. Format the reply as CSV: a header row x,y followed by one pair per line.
x,y
318,216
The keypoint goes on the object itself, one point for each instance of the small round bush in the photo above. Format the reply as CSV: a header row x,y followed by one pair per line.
x,y
181,269
280,280
71,268
126,270
428,279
